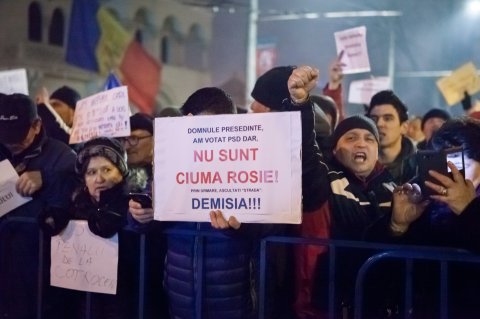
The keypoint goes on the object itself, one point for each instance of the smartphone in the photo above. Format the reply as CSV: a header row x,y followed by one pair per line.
x,y
144,199
437,161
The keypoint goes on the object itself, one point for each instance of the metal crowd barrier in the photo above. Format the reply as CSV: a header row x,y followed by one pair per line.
x,y
442,255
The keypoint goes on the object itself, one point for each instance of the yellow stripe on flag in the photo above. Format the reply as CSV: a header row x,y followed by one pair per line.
x,y
113,42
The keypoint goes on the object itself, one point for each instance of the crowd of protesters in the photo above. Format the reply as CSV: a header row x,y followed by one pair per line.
x,y
359,183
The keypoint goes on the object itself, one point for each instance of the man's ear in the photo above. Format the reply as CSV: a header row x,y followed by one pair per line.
x,y
404,128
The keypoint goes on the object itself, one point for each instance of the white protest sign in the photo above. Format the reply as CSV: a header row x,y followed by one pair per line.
x,y
247,165
103,114
14,81
361,91
464,79
353,43
9,198
83,261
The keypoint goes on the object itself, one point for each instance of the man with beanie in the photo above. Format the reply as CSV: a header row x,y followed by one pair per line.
x,y
44,165
431,122
139,147
342,198
57,111
397,152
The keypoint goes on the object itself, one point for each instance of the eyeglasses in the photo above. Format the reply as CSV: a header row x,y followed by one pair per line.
x,y
133,140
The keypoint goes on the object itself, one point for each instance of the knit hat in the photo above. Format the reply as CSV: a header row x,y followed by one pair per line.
x,y
106,147
353,122
435,113
141,121
271,88
17,113
67,95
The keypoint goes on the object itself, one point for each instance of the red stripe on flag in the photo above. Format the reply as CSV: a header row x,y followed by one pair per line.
x,y
141,73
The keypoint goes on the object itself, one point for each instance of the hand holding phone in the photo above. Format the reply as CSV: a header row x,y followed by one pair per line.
x,y
437,161
144,199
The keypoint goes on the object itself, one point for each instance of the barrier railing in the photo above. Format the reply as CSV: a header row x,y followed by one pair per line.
x,y
386,251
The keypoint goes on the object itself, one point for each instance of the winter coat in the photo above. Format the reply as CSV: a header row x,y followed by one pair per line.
x,y
20,241
337,205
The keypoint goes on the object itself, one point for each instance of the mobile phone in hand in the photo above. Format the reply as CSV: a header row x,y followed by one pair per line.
x,y
144,199
437,161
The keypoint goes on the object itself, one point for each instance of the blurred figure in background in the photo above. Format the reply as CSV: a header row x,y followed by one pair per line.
x,y
431,122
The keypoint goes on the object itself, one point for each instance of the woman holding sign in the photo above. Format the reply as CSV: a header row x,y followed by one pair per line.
x,y
102,200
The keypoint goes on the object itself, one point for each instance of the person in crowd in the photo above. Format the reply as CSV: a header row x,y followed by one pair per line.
x,y
342,199
397,152
101,199
228,289
326,119
333,88
139,147
42,164
448,218
414,130
431,122
57,111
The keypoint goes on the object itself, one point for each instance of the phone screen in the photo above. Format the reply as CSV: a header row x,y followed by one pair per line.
x,y
457,159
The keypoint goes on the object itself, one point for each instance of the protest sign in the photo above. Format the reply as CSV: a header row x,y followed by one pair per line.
x,y
353,43
247,165
14,81
9,198
83,261
361,91
464,79
104,114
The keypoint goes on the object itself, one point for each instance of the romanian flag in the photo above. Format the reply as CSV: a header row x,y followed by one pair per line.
x,y
98,42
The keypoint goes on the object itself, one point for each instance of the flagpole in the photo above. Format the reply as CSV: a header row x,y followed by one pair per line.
x,y
251,50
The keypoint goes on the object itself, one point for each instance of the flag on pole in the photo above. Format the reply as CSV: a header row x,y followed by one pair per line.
x,y
98,42
111,82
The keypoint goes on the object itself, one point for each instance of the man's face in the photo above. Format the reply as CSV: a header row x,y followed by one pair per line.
x,y
63,110
388,123
33,131
139,147
431,126
258,107
357,150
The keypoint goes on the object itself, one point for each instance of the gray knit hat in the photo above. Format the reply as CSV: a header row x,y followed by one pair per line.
x,y
352,122
106,147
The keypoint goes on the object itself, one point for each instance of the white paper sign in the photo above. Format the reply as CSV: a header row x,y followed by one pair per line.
x,y
9,198
361,91
14,81
103,114
247,165
353,43
83,261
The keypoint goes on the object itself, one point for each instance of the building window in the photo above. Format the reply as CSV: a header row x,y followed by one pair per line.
x,y
34,22
56,29
165,49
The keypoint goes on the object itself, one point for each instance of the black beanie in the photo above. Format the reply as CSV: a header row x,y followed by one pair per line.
x,y
352,122
106,147
140,121
271,88
67,95
442,114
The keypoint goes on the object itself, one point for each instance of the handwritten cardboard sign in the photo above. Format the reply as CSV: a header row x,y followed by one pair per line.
x,y
353,43
9,198
14,81
246,165
83,261
103,114
464,79
361,91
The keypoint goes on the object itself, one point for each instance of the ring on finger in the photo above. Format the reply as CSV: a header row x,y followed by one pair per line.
x,y
444,191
